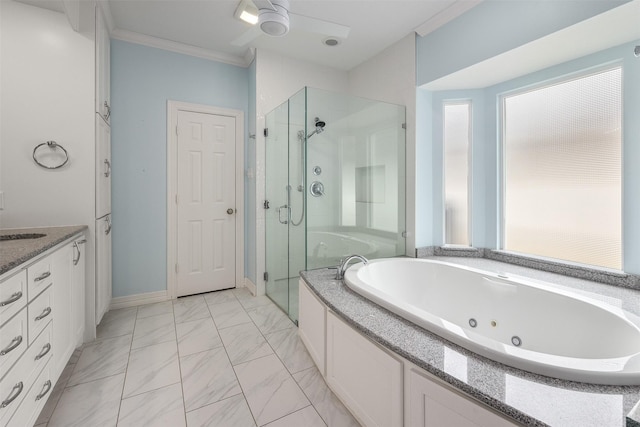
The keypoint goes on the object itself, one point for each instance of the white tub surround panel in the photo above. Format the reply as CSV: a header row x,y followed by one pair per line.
x,y
508,318
504,394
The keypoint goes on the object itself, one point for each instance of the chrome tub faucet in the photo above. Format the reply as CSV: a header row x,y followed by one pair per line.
x,y
344,264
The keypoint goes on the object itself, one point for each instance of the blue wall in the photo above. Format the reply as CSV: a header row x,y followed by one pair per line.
x,y
487,30
485,167
142,80
494,27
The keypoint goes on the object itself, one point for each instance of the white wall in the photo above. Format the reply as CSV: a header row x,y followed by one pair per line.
x,y
390,77
278,78
47,93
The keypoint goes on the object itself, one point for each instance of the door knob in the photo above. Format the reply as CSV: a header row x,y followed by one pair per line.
x,y
230,211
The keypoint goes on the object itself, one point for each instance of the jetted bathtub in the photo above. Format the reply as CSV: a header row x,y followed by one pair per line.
x,y
524,323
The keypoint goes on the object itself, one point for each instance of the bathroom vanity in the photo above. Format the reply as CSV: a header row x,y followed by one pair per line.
x,y
390,372
42,284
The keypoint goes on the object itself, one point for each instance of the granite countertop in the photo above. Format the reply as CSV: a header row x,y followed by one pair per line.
x,y
16,252
527,398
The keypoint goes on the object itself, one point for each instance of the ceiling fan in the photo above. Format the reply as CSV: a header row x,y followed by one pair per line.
x,y
274,19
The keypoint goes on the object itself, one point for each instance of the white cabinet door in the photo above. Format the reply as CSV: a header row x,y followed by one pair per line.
x,y
366,378
78,290
103,168
103,53
103,266
311,325
63,344
434,405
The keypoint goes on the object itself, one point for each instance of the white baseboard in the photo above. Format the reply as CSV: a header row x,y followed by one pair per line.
x,y
139,299
251,286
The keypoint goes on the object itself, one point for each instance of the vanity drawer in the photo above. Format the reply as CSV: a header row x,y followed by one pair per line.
x,y
13,341
40,313
17,383
39,275
13,295
27,413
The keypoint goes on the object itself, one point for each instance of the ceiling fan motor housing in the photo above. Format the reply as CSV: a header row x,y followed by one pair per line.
x,y
275,22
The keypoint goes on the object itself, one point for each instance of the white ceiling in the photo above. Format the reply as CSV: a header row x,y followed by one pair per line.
x,y
210,27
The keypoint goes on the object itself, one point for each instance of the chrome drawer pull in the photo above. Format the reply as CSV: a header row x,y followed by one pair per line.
x,y
45,390
108,221
76,260
11,398
77,247
13,298
45,349
45,313
12,345
42,276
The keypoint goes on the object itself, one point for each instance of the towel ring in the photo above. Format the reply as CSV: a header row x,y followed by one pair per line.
x,y
53,145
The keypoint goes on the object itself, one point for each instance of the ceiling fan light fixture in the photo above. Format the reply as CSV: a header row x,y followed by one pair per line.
x,y
247,12
275,22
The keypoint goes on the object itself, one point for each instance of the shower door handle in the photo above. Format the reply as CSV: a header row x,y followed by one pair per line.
x,y
280,208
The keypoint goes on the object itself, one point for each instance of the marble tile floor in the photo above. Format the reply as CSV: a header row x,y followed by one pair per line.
x,y
219,359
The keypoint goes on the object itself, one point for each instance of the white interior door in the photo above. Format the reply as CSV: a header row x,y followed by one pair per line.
x,y
206,205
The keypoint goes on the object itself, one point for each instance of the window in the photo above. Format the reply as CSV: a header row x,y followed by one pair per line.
x,y
457,131
562,158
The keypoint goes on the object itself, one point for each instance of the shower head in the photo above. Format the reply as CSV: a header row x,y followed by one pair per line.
x,y
319,127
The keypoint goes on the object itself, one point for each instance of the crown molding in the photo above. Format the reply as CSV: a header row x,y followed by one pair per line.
x,y
185,49
106,13
446,15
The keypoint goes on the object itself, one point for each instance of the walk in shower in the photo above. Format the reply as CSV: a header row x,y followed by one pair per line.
x,y
335,185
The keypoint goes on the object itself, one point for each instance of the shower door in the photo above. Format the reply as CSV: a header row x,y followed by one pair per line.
x,y
277,214
285,247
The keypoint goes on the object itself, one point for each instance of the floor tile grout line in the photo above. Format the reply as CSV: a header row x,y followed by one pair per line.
x,y
244,396
184,403
126,369
286,369
210,309
308,397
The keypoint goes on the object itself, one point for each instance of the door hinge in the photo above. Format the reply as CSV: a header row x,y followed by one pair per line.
x,y
176,199
177,269
404,126
265,276
266,132
265,204
177,130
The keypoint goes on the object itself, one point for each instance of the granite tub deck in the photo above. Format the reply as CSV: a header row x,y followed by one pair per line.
x,y
13,253
527,398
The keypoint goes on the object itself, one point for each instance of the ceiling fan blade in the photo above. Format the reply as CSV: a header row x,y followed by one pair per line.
x,y
319,26
248,36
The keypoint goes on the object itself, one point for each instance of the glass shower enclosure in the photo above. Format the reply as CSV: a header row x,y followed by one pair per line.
x,y
335,186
